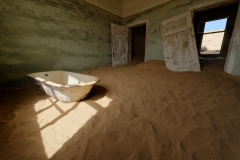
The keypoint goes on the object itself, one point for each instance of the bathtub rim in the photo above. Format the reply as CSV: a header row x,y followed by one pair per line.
x,y
44,81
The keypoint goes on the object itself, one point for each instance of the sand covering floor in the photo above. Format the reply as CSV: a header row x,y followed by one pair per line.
x,y
135,112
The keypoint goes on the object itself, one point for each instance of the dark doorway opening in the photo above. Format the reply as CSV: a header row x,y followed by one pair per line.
x,y
138,44
205,39
201,18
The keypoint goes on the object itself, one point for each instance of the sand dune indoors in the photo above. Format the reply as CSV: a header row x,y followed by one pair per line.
x,y
135,112
212,43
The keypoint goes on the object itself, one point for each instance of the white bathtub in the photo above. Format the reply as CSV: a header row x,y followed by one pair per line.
x,y
64,86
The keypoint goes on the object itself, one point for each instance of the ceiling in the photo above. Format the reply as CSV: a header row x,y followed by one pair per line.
x,y
124,8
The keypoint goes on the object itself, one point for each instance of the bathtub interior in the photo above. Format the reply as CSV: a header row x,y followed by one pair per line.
x,y
64,78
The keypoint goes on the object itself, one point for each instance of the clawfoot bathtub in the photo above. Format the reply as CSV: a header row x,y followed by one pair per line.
x,y
64,86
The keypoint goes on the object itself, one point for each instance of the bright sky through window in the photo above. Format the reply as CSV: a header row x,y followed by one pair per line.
x,y
217,25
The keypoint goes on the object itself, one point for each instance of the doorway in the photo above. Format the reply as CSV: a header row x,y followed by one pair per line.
x,y
121,37
213,31
138,44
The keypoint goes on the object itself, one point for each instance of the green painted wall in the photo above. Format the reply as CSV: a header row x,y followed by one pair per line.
x,y
236,67
42,35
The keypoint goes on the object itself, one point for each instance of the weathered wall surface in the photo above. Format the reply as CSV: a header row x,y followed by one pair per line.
x,y
112,6
47,35
236,45
158,14
236,67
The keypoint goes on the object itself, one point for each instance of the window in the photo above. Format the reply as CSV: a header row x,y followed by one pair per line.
x,y
213,36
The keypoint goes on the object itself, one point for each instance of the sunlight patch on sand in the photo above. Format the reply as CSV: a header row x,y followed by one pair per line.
x,y
59,121
104,102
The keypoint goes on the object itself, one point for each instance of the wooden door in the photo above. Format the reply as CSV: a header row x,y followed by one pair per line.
x,y
179,45
119,35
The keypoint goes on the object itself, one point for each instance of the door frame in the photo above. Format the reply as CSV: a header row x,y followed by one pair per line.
x,y
141,23
230,60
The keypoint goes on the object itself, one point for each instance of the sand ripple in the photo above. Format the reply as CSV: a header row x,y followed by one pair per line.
x,y
135,112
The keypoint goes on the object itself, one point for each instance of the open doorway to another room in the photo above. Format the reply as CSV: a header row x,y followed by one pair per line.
x,y
122,37
138,44
213,31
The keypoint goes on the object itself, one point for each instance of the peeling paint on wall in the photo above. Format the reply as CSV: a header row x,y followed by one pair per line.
x,y
51,35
